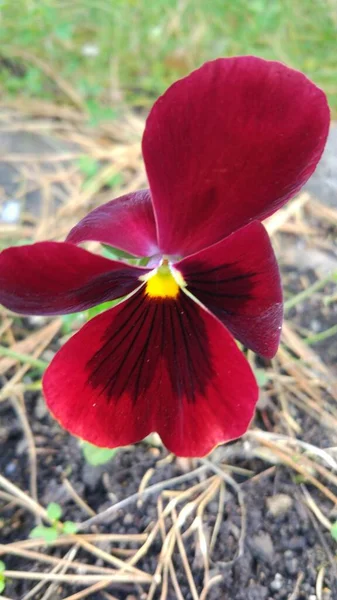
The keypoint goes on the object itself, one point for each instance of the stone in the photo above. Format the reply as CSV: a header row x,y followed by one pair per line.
x,y
291,563
262,547
279,504
323,183
26,143
277,583
257,592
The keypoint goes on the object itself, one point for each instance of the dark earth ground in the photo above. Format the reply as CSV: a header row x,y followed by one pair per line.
x,y
284,545
282,539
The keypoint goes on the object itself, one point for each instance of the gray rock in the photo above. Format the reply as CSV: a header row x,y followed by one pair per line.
x,y
23,143
277,583
10,468
291,563
41,409
21,447
323,183
279,504
92,475
10,211
262,547
257,592
55,492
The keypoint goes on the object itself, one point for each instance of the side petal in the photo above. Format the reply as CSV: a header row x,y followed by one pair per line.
x,y
229,143
51,278
145,365
126,223
238,280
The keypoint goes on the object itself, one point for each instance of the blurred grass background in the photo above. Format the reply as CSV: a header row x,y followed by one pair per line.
x,y
113,52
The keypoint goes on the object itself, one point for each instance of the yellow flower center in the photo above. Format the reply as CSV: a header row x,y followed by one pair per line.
x,y
163,282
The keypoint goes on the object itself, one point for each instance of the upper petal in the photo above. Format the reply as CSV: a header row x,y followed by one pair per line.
x,y
152,365
50,278
238,280
126,223
229,143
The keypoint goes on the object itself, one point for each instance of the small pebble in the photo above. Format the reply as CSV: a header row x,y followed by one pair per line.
x,y
92,476
36,320
277,583
315,325
257,592
291,563
48,355
10,468
279,504
21,447
262,547
41,409
10,212
90,50
128,519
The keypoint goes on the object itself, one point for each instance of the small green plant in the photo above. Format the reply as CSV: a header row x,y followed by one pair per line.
x,y
50,533
54,511
333,531
88,165
99,113
115,253
114,181
262,377
72,321
69,527
2,576
97,456
96,310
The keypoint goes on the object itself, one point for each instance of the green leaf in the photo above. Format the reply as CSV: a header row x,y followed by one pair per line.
x,y
34,80
115,253
88,165
114,181
64,31
99,113
96,310
69,527
333,531
262,377
48,534
298,478
69,322
2,566
54,511
97,456
2,583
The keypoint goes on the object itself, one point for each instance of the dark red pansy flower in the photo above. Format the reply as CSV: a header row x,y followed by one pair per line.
x,y
224,148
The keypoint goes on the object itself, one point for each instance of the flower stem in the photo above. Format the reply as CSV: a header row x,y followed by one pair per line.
x,y
24,358
310,290
320,337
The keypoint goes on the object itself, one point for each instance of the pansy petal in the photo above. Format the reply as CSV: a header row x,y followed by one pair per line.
x,y
50,278
164,365
239,281
229,143
126,223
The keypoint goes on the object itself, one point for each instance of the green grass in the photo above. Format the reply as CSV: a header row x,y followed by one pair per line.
x,y
143,46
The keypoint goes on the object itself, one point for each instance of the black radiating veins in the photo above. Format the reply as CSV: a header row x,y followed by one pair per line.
x,y
150,333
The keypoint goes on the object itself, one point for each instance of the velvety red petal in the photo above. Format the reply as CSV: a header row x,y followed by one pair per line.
x,y
50,278
153,365
238,280
126,223
231,142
